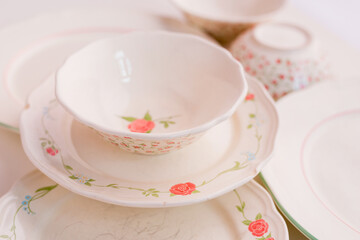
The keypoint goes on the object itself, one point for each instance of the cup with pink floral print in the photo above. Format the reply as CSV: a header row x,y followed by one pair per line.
x,y
284,57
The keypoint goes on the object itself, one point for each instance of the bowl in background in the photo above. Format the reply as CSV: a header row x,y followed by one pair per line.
x,y
225,19
284,57
151,92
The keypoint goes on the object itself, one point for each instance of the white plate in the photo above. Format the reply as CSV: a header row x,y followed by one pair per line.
x,y
315,174
37,208
34,49
73,155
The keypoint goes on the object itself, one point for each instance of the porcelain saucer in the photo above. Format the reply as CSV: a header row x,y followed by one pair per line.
x,y
73,155
314,178
37,208
32,50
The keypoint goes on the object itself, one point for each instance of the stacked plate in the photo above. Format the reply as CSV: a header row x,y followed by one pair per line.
x,y
233,143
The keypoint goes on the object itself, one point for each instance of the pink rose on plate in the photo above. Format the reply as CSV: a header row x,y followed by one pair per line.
x,y
141,126
183,188
259,227
52,151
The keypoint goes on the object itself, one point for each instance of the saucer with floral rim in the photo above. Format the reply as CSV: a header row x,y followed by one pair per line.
x,y
74,156
37,208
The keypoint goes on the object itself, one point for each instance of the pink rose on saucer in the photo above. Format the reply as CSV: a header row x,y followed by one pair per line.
x,y
141,126
52,151
183,188
259,227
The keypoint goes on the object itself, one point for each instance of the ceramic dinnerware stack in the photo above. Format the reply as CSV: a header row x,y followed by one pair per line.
x,y
150,108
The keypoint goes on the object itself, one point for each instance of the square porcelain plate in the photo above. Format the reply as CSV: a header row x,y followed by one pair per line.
x,y
37,208
73,155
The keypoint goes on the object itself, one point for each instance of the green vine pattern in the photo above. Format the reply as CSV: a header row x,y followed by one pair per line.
x,y
259,228
50,148
26,206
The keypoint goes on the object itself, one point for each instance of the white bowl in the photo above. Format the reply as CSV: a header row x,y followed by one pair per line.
x,y
151,92
225,19
284,57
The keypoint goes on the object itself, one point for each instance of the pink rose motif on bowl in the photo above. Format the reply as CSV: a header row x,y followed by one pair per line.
x,y
141,126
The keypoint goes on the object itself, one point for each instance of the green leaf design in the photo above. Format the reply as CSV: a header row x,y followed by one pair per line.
x,y
68,167
195,191
148,131
249,126
4,236
91,180
172,195
129,119
155,195
47,188
88,184
113,185
268,236
151,189
240,209
166,124
251,115
73,177
43,144
258,216
147,116
246,222
243,205
171,122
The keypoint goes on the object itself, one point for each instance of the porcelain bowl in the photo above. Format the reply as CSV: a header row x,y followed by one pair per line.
x,y
225,19
151,92
284,57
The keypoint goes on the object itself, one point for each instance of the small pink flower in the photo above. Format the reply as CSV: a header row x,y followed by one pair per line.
x,y
271,238
278,61
249,97
141,126
274,82
260,66
250,55
247,69
127,137
183,188
136,146
281,76
288,62
52,151
266,86
258,228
